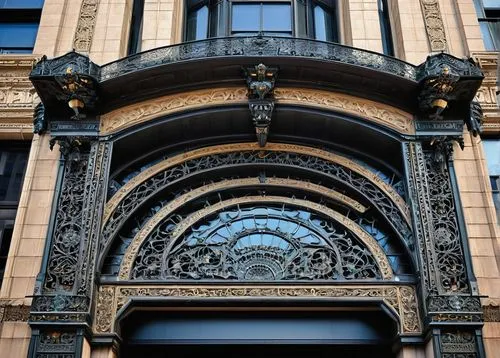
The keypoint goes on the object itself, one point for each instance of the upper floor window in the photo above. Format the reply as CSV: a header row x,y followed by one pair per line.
x,y
488,13
385,28
134,43
297,18
19,20
492,150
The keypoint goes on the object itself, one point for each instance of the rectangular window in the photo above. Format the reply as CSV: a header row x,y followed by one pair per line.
x,y
492,150
488,14
19,20
13,160
265,18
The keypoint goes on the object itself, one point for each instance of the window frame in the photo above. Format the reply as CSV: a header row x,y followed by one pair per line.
x,y
490,39
261,15
20,15
223,28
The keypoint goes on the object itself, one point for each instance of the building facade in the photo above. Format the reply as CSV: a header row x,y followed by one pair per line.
x,y
249,178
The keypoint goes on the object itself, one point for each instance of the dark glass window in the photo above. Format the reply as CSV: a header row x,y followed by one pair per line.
x,y
19,22
197,24
385,28
488,13
13,160
6,228
299,18
266,18
134,44
492,149
325,23
21,4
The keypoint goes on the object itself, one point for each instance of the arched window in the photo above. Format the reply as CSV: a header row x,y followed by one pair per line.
x,y
298,18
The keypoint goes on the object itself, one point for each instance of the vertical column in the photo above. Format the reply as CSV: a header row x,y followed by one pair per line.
x,y
452,307
60,311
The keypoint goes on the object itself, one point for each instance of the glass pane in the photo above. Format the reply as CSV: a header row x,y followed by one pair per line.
x,y
491,4
492,150
18,35
323,24
487,39
21,4
245,17
495,34
197,24
301,18
277,17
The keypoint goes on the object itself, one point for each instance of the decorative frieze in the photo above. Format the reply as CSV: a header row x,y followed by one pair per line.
x,y
488,95
379,113
401,300
434,25
86,25
17,97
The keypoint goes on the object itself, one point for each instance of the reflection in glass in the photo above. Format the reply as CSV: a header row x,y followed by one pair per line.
x,y
324,24
197,24
276,17
246,17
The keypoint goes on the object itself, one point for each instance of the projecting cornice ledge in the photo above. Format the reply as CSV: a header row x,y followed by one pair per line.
x,y
442,88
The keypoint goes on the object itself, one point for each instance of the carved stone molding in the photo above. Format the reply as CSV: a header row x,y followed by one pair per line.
x,y
487,93
401,299
382,114
434,25
86,25
10,312
17,97
491,313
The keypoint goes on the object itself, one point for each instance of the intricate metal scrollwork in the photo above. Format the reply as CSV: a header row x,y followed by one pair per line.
x,y
257,243
68,230
458,344
138,194
263,46
446,239
39,120
436,224
56,344
401,299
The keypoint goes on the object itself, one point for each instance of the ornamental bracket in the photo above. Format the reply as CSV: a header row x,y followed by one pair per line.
x,y
260,83
447,87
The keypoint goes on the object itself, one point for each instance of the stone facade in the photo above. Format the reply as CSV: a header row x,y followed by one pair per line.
x,y
100,28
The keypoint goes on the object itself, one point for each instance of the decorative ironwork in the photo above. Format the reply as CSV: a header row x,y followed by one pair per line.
x,y
56,344
458,344
260,83
80,91
401,299
262,46
435,64
39,120
68,230
258,243
442,150
437,90
13,313
71,147
60,303
454,303
475,121
447,247
58,66
160,177
261,111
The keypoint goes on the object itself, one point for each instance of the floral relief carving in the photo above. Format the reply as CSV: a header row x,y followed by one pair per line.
x,y
434,25
85,27
128,116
